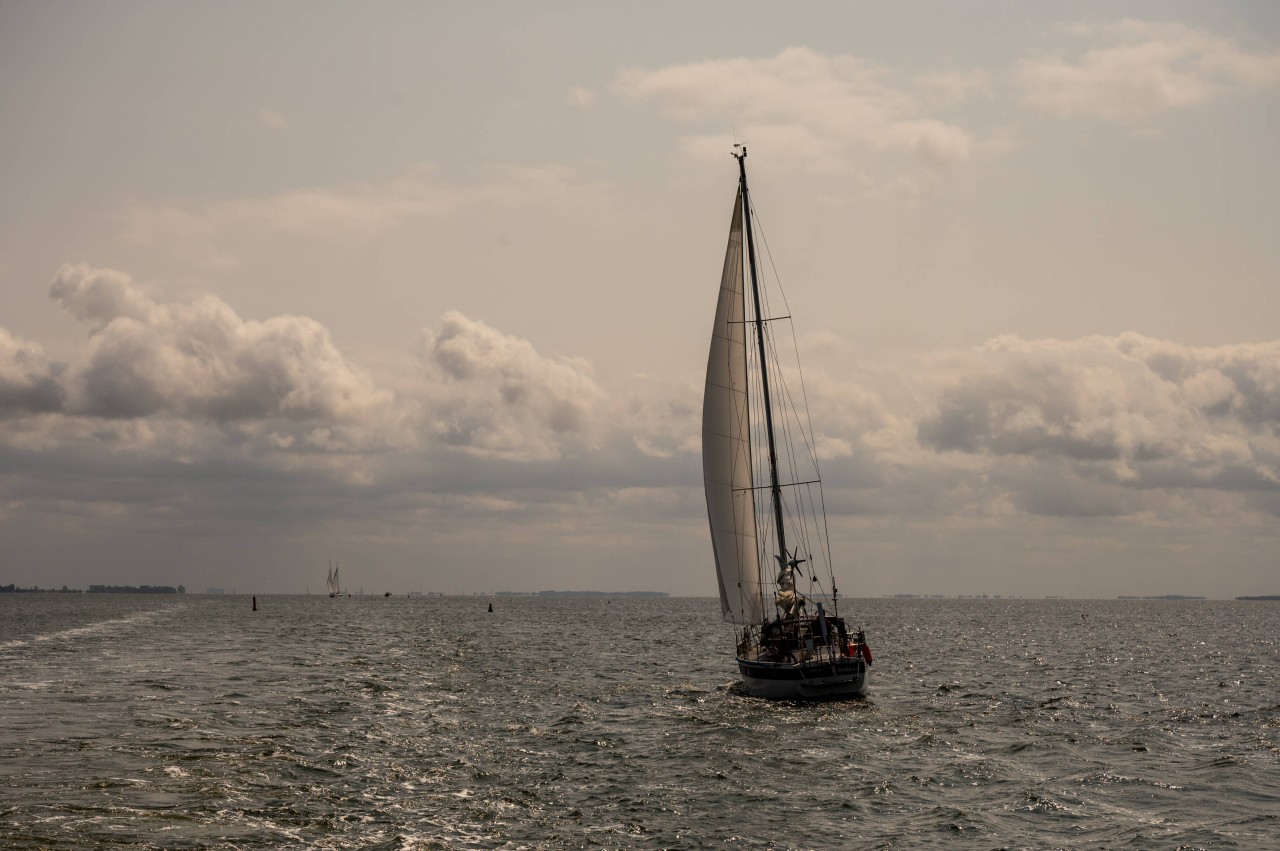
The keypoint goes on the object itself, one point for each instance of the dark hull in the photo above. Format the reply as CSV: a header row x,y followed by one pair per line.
x,y
814,680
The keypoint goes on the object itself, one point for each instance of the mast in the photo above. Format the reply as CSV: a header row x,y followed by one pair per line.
x,y
774,487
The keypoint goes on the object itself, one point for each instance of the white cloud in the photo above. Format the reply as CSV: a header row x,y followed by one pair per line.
x,y
818,108
500,398
196,381
202,361
101,296
1143,68
1127,411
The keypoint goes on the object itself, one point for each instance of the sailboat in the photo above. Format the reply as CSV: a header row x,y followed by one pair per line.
x,y
332,581
789,646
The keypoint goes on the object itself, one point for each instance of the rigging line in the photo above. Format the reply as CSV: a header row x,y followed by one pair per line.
x,y
783,426
780,484
765,290
801,511
822,528
804,397
791,444
759,227
800,514
765,319
806,425
811,443
765,534
827,536
764,512
804,510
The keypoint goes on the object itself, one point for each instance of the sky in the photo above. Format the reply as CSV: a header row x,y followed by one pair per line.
x,y
427,289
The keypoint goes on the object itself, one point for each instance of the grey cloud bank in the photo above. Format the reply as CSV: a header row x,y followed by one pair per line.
x,y
266,427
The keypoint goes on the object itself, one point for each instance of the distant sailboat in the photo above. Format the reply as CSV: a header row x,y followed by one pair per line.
x,y
331,582
788,645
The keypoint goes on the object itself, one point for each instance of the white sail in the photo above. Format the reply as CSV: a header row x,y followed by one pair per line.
x,y
726,446
337,584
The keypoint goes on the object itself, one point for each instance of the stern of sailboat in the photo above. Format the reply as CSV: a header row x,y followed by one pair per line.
x,y
802,659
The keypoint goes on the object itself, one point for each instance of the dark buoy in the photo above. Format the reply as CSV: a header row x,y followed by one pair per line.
x,y
491,607
255,603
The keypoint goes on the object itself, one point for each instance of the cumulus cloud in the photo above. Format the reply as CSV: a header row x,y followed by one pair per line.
x,y
100,296
29,383
1129,410
201,360
817,107
193,379
501,398
1143,68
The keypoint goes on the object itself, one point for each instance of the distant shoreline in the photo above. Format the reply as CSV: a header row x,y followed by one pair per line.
x,y
137,589
12,588
580,594
1055,597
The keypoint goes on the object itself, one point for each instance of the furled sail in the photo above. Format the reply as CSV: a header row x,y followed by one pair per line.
x,y
726,446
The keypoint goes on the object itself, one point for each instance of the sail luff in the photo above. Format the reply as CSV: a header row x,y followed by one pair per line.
x,y
726,445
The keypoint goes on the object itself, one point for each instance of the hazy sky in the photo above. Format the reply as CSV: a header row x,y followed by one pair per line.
x,y
427,289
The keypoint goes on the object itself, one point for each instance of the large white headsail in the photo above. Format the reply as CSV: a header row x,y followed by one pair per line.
x,y
726,446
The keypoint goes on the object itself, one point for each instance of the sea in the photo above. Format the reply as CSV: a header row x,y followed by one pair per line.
x,y
171,722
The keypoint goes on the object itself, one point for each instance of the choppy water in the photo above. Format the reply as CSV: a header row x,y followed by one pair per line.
x,y
192,722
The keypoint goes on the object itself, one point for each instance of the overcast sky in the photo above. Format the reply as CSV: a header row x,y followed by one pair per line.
x,y
427,289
